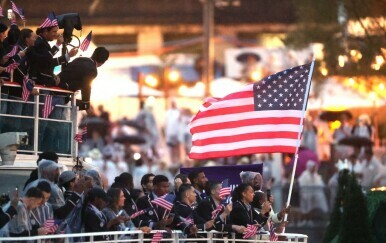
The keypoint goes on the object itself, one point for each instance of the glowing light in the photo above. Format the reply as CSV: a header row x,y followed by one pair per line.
x,y
151,80
341,60
351,81
136,156
373,95
335,125
150,101
255,75
381,86
174,76
379,60
324,71
383,188
356,55
200,85
183,89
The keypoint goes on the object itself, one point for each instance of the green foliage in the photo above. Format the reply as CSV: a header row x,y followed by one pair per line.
x,y
317,22
351,224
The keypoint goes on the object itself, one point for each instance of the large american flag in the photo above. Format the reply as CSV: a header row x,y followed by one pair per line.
x,y
264,117
251,230
86,42
17,10
157,237
49,105
165,202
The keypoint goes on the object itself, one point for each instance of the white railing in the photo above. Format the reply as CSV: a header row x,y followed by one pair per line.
x,y
72,120
139,236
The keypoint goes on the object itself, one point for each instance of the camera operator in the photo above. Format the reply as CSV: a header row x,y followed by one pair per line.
x,y
79,74
43,61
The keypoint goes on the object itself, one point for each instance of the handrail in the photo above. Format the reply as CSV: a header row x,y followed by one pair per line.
x,y
39,87
174,236
37,119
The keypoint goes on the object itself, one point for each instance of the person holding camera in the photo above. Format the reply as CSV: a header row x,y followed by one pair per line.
x,y
79,74
42,55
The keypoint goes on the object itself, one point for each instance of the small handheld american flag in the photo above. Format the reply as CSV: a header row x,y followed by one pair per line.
x,y
157,237
50,21
26,92
225,190
49,105
251,230
51,226
139,213
13,51
217,210
79,136
165,202
272,235
11,67
86,42
17,10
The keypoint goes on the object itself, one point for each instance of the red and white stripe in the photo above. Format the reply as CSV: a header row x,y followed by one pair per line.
x,y
86,42
79,136
272,235
13,51
163,203
251,230
217,211
17,10
50,226
136,214
47,23
25,93
224,192
11,67
230,126
157,237
47,107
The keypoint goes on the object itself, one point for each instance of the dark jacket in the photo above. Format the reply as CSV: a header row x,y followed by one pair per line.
x,y
185,212
156,214
131,207
205,209
6,216
78,75
95,221
42,62
240,215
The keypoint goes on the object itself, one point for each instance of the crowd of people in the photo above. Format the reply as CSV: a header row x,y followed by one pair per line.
x,y
79,202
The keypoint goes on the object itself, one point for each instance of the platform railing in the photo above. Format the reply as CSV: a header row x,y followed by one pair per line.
x,y
68,126
140,237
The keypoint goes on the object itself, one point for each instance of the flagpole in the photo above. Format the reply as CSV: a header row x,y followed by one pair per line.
x,y
298,139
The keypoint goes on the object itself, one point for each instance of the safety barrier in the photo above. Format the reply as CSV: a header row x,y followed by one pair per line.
x,y
139,236
35,125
